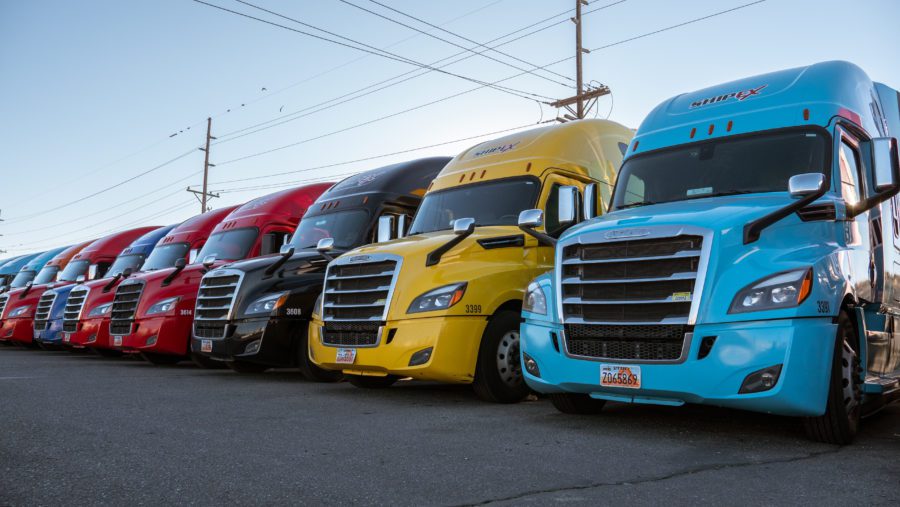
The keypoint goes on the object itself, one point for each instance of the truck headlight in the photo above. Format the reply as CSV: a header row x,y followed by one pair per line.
x,y
438,299
18,311
535,301
163,306
267,304
100,310
781,290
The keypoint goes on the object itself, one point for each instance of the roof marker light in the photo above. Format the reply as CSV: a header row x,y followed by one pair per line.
x,y
806,114
728,127
711,128
634,148
528,167
483,172
472,176
462,177
693,132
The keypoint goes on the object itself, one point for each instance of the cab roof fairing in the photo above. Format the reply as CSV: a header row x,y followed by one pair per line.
x,y
764,102
290,204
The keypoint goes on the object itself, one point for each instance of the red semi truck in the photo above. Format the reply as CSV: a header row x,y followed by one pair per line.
x,y
152,313
17,306
86,320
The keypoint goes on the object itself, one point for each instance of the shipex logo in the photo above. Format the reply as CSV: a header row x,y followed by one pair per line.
x,y
627,233
742,95
496,149
358,258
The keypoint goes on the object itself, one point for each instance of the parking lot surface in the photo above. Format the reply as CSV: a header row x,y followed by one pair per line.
x,y
80,429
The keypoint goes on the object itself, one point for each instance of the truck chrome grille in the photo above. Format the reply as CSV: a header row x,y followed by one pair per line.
x,y
355,300
42,312
74,306
216,295
3,299
629,300
124,307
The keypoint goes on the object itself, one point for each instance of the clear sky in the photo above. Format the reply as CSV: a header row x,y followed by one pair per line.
x,y
91,91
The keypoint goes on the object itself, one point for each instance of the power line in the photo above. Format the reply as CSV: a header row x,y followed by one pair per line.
x,y
363,47
392,20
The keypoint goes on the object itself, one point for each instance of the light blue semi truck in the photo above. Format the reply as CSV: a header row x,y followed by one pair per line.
x,y
750,258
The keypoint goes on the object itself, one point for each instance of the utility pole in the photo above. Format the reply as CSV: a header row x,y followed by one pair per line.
x,y
206,165
584,99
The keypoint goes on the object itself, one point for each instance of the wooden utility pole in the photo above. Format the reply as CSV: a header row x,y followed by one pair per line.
x,y
206,165
584,99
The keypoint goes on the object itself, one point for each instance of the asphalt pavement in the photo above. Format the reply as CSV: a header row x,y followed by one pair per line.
x,y
84,430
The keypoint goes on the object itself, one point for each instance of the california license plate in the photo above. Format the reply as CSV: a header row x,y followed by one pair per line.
x,y
117,341
205,345
346,356
67,337
620,375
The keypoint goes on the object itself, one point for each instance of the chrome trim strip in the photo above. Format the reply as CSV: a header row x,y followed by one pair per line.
x,y
683,254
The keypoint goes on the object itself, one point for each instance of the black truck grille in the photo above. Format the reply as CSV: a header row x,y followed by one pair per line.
x,y
74,307
215,297
42,313
629,299
351,334
631,342
124,308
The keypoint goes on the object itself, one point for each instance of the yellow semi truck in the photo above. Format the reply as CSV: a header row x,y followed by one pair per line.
x,y
443,301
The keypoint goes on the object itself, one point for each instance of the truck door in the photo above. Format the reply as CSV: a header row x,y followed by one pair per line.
x,y
890,211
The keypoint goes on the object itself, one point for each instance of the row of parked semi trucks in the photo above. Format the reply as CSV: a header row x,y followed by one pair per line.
x,y
741,249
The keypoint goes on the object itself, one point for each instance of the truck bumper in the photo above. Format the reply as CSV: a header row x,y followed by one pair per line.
x,y
803,347
18,330
160,335
92,333
51,335
268,341
454,342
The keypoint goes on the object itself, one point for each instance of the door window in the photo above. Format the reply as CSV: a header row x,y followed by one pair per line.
x,y
849,166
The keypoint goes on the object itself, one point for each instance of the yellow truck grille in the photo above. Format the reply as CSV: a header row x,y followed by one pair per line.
x,y
355,300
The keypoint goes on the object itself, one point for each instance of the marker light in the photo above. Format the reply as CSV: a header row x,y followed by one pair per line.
x,y
781,290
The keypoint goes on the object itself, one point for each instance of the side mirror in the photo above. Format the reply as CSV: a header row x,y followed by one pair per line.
x,y
324,246
129,270
401,226
80,279
208,261
286,250
463,226
568,205
801,185
590,201
192,256
180,263
92,272
531,218
886,163
385,228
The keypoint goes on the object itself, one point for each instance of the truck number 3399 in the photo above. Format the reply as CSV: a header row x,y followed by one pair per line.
x,y
473,308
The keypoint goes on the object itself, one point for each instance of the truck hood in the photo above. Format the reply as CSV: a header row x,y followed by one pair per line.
x,y
34,295
300,260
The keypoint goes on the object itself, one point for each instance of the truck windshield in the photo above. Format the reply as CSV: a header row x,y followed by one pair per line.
x,y
346,227
124,262
22,278
46,275
753,164
229,245
73,270
489,203
164,256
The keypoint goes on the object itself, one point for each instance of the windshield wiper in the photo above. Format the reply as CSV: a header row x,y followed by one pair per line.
x,y
721,194
634,204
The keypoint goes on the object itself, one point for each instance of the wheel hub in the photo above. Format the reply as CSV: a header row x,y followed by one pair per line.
x,y
508,364
850,377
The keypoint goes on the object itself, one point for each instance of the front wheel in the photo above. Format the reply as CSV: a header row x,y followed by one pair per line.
x,y
246,367
372,382
498,373
840,422
305,364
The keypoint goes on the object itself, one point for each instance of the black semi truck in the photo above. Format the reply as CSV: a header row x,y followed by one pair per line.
x,y
254,314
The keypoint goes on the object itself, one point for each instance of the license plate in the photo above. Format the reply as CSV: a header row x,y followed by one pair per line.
x,y
117,341
66,337
620,375
346,356
205,345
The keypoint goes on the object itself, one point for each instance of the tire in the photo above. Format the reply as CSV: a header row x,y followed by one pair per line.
x,y
207,363
107,352
573,403
161,359
498,373
246,366
840,422
305,364
371,382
